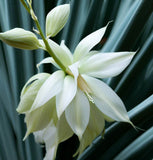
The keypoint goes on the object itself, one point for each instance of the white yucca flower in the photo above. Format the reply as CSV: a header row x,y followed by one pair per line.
x,y
73,99
76,103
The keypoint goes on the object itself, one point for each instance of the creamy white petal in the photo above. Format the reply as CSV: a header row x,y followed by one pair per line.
x,y
48,60
38,76
49,89
94,128
103,65
40,117
77,113
51,153
74,69
66,50
66,95
49,137
42,45
64,131
88,43
56,19
107,100
30,91
61,54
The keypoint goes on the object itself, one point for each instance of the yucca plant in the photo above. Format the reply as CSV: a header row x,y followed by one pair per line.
x,y
130,30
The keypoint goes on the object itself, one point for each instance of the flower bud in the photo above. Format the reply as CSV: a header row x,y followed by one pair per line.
x,y
20,38
56,19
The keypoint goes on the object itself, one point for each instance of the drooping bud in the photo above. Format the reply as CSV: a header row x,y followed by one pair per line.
x,y
20,38
56,19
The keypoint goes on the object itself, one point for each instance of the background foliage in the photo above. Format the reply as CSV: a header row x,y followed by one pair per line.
x,y
131,30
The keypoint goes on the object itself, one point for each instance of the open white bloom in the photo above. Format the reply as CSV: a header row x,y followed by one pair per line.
x,y
76,103
72,100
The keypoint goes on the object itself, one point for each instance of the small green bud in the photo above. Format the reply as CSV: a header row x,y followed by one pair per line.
x,y
20,38
56,19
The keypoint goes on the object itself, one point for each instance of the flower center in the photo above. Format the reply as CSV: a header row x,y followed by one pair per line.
x,y
82,84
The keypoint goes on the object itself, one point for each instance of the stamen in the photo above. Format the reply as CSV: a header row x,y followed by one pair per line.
x,y
82,84
89,97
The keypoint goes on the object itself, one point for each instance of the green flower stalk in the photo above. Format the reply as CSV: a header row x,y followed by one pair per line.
x,y
72,100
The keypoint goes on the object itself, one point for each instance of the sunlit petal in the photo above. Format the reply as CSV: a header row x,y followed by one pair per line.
x,y
30,91
105,65
66,50
88,43
107,100
49,137
48,60
94,128
40,117
49,89
77,113
61,54
66,95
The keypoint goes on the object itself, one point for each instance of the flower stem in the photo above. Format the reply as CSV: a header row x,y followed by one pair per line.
x,y
43,37
25,5
48,47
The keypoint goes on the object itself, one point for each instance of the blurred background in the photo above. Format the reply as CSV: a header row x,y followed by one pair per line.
x,y
131,29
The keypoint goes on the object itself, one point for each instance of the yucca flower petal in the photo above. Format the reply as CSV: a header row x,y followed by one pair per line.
x,y
40,117
95,127
51,153
48,136
77,113
30,91
104,65
66,95
66,49
107,101
64,131
48,60
49,89
88,43
61,53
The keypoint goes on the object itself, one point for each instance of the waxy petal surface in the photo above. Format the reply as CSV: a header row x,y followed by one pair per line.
x,y
61,54
103,65
30,91
66,49
77,113
107,100
40,118
48,60
94,128
64,131
49,89
66,95
88,43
